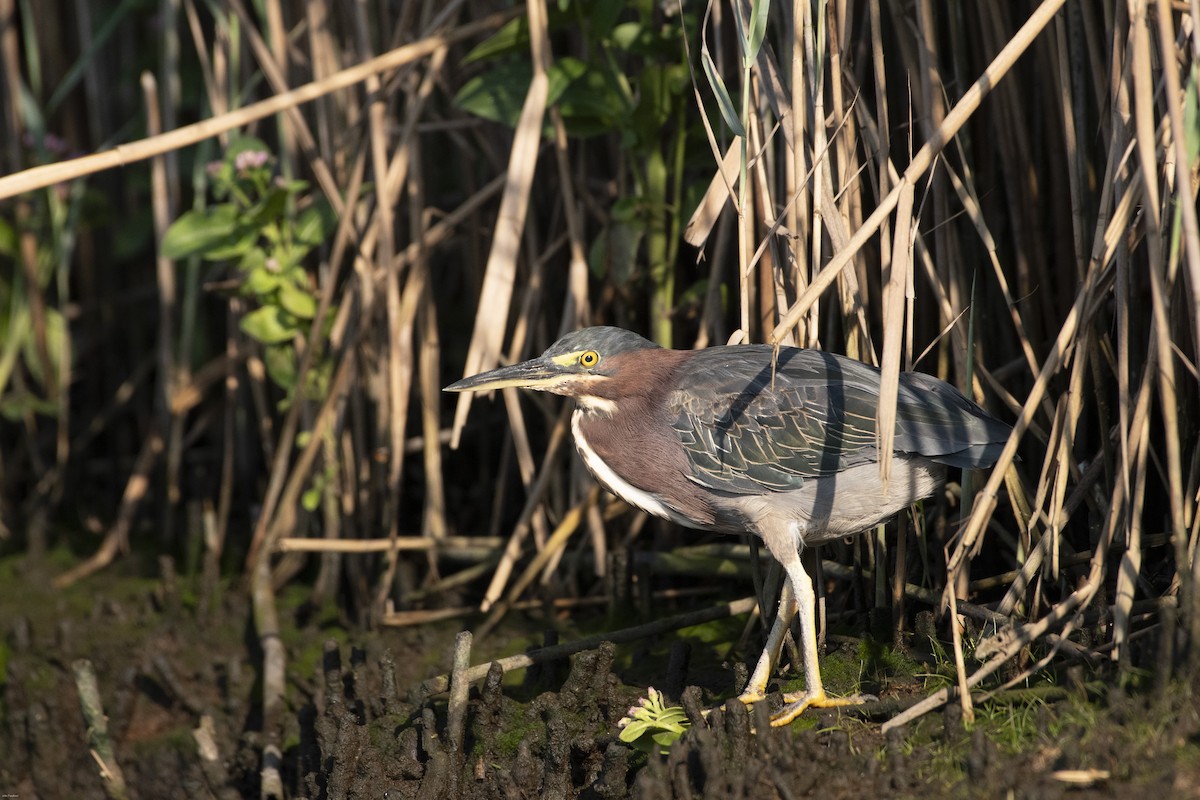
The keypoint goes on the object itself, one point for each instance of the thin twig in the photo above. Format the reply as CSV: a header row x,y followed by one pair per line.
x,y
442,682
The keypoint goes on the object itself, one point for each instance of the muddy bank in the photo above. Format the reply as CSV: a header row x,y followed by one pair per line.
x,y
180,688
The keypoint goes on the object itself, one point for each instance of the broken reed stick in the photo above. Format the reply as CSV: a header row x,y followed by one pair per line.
x,y
450,543
558,540
400,619
441,683
117,539
460,689
97,729
524,523
273,676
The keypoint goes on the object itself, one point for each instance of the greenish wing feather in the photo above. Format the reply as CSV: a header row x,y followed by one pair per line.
x,y
747,428
937,421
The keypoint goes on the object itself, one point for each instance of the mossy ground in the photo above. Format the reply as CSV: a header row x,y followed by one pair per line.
x,y
1143,737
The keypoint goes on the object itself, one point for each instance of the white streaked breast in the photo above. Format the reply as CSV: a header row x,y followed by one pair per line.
x,y
610,480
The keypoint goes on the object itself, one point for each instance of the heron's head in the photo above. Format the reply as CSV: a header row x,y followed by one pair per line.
x,y
594,366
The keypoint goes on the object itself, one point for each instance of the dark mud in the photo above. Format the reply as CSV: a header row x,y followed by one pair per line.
x,y
357,726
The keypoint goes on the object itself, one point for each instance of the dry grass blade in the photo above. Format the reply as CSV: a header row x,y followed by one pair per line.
x,y
117,539
896,280
513,549
1131,561
957,117
557,541
1184,170
964,691
705,216
1018,639
491,317
168,378
986,499
293,127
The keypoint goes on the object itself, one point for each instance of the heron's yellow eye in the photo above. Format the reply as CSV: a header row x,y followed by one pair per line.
x,y
589,359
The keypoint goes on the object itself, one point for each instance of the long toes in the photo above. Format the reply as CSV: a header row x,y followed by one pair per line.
x,y
750,697
822,700
799,702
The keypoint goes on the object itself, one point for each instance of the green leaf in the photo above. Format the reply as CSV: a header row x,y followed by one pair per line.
x,y
633,731
673,721
268,209
758,30
16,406
317,386
252,261
311,499
238,244
270,325
625,35
296,300
614,253
199,231
15,333
261,281
315,224
56,329
739,24
281,366
592,104
1191,115
604,14
499,94
562,73
8,240
658,92
511,38
292,185
728,109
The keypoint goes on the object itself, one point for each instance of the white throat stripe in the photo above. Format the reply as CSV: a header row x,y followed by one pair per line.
x,y
610,480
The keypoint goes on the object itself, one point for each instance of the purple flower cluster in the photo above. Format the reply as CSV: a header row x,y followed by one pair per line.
x,y
250,159
54,145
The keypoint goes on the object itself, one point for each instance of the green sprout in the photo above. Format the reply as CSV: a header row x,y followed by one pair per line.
x,y
652,724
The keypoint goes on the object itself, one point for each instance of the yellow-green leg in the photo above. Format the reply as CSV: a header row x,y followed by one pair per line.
x,y
814,694
797,598
756,687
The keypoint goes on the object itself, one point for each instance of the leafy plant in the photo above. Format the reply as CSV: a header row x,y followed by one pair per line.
x,y
32,359
635,81
258,226
652,724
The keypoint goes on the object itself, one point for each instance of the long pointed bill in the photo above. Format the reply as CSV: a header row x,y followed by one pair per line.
x,y
537,373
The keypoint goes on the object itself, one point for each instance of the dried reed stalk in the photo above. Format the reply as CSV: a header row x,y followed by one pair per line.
x,y
132,152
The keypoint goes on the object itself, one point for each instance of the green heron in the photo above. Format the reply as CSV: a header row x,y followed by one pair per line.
x,y
746,438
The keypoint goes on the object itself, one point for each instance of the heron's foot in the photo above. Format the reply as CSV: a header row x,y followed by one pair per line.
x,y
799,702
752,695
